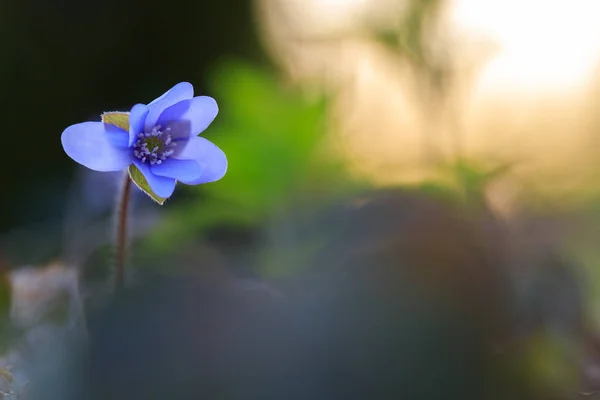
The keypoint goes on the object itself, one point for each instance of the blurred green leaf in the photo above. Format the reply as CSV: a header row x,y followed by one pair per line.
x,y
473,177
410,37
269,135
273,137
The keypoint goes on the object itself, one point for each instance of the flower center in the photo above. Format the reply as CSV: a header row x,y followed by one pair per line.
x,y
154,147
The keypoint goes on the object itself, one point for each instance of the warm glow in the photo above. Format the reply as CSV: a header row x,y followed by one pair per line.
x,y
521,74
543,44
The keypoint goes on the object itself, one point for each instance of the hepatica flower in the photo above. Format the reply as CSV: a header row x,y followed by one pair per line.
x,y
158,142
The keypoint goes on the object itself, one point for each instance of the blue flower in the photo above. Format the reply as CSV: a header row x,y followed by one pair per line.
x,y
162,142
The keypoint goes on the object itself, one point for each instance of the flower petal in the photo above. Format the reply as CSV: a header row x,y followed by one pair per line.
x,y
183,170
137,118
210,158
190,117
98,146
181,91
160,185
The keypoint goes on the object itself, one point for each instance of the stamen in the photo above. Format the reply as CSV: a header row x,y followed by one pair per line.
x,y
159,141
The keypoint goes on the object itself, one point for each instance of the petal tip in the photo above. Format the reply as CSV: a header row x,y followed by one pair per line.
x,y
96,145
225,165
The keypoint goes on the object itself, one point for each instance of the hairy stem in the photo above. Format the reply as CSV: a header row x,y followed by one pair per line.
x,y
122,214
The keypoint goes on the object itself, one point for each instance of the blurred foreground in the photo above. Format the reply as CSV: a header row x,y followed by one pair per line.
x,y
395,293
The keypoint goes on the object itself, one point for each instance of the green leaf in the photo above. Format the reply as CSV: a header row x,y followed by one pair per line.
x,y
138,178
121,119
118,118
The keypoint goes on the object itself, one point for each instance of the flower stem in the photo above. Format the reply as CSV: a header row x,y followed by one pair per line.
x,y
122,214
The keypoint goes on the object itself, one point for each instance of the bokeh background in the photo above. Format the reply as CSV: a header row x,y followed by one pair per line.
x,y
490,104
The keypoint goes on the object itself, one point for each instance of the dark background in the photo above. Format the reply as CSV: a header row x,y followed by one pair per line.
x,y
67,61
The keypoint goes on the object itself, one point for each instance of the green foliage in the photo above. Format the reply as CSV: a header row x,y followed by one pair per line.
x,y
273,138
117,118
473,178
121,119
552,362
462,182
410,37
138,178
